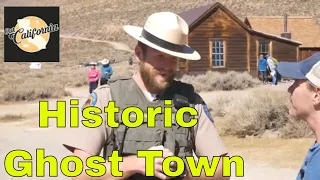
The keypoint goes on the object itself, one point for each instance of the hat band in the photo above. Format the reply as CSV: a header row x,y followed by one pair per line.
x,y
160,42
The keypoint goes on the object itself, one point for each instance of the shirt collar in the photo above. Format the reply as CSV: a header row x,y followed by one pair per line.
x,y
148,95
315,146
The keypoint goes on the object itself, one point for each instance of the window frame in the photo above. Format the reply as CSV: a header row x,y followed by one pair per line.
x,y
260,42
181,64
211,46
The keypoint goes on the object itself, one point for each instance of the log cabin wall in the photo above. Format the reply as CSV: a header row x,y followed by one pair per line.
x,y
219,26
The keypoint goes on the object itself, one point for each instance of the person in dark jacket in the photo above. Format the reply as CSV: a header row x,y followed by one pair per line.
x,y
262,67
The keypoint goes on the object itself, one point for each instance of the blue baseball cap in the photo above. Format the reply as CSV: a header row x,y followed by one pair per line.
x,y
298,70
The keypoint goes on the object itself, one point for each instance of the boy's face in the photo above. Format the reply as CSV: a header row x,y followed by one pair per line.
x,y
303,99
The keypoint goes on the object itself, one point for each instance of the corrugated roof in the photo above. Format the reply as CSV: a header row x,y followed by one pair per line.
x,y
302,28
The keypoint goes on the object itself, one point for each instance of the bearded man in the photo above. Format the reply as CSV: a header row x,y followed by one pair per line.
x,y
160,44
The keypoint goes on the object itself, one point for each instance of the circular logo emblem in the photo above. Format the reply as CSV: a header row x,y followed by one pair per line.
x,y
32,34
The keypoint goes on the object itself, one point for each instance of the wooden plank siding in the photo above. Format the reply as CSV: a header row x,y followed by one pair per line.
x,y
222,27
256,52
281,51
307,52
253,56
240,42
284,52
248,51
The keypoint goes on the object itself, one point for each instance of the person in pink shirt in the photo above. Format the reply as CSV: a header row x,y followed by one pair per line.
x,y
93,75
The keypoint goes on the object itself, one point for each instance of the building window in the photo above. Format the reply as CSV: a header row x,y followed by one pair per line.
x,y
263,47
218,53
182,63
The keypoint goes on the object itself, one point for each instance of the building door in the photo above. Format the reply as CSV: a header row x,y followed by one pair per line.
x,y
263,48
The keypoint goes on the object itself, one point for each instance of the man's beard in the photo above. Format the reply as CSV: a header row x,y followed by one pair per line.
x,y
148,77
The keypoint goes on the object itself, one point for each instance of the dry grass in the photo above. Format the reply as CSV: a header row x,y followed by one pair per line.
x,y
10,117
281,152
32,91
48,82
45,83
260,111
51,80
215,81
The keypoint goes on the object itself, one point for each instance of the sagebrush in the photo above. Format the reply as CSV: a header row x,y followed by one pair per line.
x,y
23,84
27,84
11,117
215,81
261,110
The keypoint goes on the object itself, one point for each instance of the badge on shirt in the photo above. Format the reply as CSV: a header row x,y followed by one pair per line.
x,y
206,110
91,101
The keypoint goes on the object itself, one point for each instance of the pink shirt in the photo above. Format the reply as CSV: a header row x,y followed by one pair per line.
x,y
93,75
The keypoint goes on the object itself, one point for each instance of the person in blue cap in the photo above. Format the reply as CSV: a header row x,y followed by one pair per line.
x,y
305,104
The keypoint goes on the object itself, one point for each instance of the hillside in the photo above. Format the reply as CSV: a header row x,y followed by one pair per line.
x,y
103,19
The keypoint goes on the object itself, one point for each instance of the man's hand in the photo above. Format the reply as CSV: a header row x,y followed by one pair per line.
x,y
158,163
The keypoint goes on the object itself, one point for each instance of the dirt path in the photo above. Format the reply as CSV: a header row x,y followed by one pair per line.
x,y
26,135
115,45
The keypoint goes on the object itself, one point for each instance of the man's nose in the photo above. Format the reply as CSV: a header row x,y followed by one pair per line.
x,y
167,63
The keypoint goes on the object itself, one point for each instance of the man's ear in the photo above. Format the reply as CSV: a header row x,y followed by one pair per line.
x,y
138,53
317,96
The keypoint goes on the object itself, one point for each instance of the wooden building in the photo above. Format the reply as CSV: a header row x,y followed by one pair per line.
x,y
226,43
300,28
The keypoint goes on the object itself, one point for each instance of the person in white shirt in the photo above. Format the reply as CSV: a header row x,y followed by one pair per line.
x,y
273,69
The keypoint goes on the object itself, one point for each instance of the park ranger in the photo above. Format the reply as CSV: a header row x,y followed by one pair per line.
x,y
160,45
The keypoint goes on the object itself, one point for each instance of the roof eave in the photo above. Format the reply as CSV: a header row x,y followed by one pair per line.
x,y
192,24
223,8
309,47
247,22
277,37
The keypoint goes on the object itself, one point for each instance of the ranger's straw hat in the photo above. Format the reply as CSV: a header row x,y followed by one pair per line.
x,y
105,61
166,32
